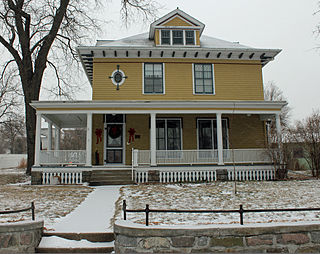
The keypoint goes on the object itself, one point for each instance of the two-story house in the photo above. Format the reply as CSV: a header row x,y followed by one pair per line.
x,y
172,101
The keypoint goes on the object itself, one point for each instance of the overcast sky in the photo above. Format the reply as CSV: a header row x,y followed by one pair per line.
x,y
282,24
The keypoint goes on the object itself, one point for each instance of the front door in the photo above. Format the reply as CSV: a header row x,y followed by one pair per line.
x,y
114,143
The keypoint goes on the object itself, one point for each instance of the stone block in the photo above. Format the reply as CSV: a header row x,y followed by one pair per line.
x,y
202,241
4,240
183,241
277,250
226,242
315,237
36,177
259,240
154,242
86,176
309,249
26,238
126,241
222,174
295,238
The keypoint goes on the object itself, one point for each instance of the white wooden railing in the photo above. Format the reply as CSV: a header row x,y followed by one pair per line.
x,y
62,157
192,157
249,174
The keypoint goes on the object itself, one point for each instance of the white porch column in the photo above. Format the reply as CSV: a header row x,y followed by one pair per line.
x,y
49,137
153,139
278,127
219,139
38,140
89,141
57,138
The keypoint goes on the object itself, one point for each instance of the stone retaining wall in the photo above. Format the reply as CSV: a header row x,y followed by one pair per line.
x,y
20,237
134,238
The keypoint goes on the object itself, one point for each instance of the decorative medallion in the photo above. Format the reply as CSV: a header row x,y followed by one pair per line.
x,y
117,77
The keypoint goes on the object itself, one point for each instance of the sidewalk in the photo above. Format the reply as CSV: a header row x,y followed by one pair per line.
x,y
93,214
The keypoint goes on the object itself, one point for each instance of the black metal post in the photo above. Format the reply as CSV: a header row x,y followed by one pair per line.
x,y
124,209
32,210
241,215
147,215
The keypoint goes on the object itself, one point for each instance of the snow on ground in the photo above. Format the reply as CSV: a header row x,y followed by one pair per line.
x,y
220,195
94,214
11,160
58,242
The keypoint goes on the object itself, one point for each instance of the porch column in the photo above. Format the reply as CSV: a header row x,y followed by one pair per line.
x,y
38,140
89,141
49,144
57,138
219,139
153,140
278,127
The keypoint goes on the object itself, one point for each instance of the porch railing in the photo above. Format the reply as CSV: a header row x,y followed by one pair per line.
x,y
192,157
62,157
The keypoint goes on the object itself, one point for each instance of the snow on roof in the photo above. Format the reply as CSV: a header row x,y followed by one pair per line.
x,y
142,40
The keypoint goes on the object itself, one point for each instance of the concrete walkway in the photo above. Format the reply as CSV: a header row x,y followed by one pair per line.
x,y
93,214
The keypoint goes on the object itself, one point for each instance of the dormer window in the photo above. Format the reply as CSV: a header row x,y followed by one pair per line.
x,y
190,37
177,37
165,37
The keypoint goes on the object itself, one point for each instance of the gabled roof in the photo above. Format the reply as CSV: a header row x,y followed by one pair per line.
x,y
175,13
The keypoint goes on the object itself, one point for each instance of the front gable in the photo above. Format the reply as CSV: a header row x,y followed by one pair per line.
x,y
176,20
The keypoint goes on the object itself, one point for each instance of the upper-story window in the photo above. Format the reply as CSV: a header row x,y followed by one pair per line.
x,y
165,37
177,37
153,78
189,37
203,79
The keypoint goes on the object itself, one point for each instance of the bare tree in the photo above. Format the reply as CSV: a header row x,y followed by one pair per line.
x,y
73,139
13,130
30,29
10,98
307,133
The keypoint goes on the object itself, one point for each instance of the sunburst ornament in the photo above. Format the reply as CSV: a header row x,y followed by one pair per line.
x,y
118,77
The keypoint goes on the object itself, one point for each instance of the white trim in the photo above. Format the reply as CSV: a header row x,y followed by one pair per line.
x,y
89,140
153,139
219,139
163,79
213,81
37,140
173,17
112,79
166,134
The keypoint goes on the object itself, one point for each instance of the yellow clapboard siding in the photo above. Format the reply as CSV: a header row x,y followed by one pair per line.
x,y
97,123
197,37
157,37
233,81
177,21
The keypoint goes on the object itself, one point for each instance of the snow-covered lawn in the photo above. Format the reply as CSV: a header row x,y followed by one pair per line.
x,y
220,195
51,202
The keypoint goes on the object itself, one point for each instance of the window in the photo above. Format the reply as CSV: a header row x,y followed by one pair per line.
x,y
165,37
153,78
203,79
168,134
207,134
190,38
177,37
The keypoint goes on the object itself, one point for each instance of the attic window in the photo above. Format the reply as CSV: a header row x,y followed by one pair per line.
x,y
177,37
165,37
190,38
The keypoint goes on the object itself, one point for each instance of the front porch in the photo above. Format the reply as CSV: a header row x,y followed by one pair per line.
x,y
178,144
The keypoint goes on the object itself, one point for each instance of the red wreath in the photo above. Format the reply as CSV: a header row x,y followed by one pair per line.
x,y
131,135
98,133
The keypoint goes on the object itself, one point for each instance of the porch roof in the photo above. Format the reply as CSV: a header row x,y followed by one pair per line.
x,y
159,107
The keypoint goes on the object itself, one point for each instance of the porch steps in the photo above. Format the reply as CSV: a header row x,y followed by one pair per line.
x,y
111,177
104,239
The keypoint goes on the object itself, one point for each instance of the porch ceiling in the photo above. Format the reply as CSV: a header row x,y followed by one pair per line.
x,y
67,120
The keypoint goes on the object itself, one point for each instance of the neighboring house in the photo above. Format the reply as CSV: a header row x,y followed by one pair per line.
x,y
172,101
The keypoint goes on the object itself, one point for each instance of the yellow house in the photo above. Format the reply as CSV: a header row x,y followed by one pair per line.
x,y
171,104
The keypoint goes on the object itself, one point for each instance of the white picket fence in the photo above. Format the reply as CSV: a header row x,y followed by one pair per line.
x,y
249,173
54,178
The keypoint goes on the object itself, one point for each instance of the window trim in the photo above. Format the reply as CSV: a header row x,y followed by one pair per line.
x,y
163,79
166,130
183,37
214,137
194,80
